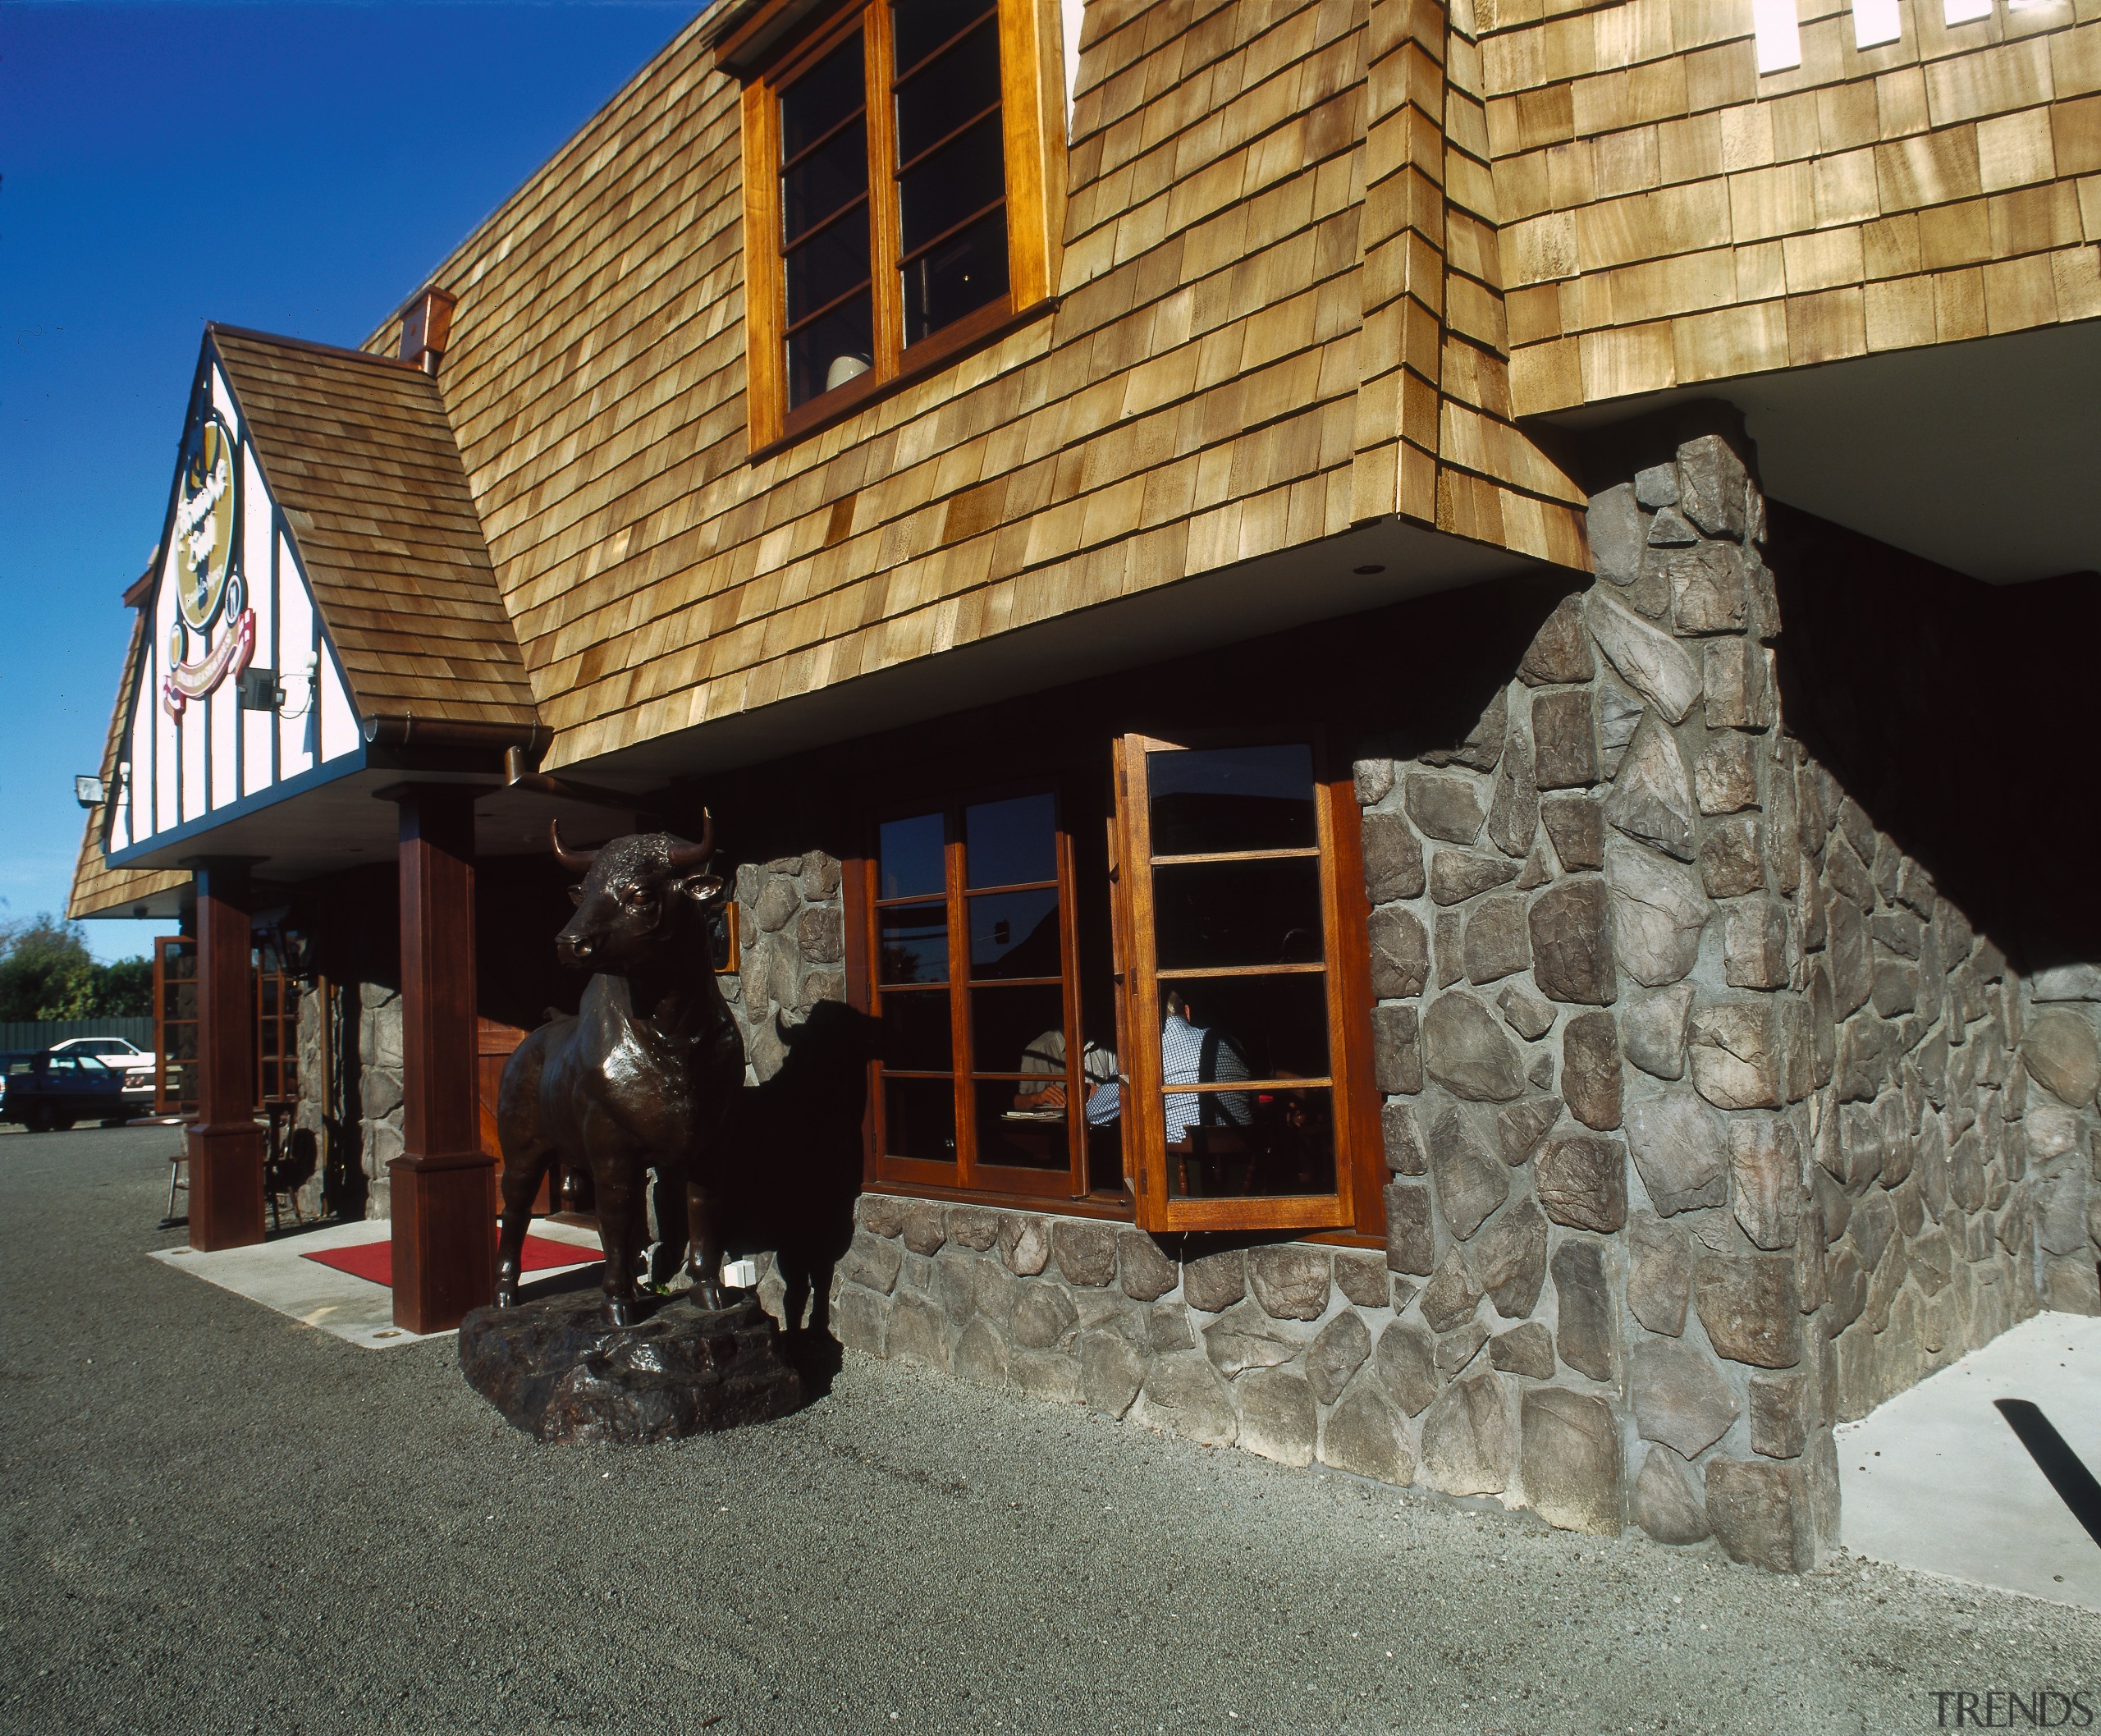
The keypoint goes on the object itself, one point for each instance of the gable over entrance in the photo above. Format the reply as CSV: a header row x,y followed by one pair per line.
x,y
322,594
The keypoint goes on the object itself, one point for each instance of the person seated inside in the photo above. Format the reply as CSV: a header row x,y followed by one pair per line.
x,y
1190,1054
1046,1054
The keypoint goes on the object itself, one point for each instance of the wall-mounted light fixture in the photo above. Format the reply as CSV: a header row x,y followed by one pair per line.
x,y
88,790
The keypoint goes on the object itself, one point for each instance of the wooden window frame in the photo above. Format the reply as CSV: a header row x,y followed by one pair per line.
x,y
966,1177
1357,1203
1033,127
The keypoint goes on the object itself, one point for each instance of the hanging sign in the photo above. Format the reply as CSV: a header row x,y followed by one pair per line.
x,y
209,591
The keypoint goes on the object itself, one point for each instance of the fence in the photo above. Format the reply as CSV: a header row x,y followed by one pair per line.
x,y
41,1033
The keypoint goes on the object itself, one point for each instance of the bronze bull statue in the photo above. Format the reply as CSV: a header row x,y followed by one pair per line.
x,y
644,1076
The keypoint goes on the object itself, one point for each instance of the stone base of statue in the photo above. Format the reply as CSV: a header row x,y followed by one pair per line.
x,y
557,1370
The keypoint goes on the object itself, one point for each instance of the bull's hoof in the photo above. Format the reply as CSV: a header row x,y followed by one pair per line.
x,y
706,1293
623,1311
506,1285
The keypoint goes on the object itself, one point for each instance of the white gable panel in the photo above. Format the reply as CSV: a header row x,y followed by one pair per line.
x,y
167,739
258,733
194,734
297,729
339,725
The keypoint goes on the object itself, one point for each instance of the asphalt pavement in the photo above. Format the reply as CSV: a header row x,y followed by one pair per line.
x,y
218,1520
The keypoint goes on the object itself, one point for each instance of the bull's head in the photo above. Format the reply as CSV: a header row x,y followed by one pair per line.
x,y
638,893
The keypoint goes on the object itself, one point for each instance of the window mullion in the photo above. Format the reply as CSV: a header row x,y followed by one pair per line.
x,y
884,220
960,1056
1076,1088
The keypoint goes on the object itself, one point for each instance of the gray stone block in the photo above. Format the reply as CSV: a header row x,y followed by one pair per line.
x,y
1781,1414
974,1226
1513,811
1047,1319
1761,1515
1735,1055
1336,1354
1521,1126
1571,943
1279,1419
1086,1250
1733,858
1365,1437
1496,944
1470,1183
1393,858
1564,741
1147,1273
980,1355
1467,1445
1111,1372
1526,1349
1616,534
1483,745
1765,1191
1186,1395
1455,876
1652,1030
1590,1070
1577,830
1583,1308
1362,1278
1403,1148
1400,954
1217,1281
1560,651
1444,807
1024,1243
1397,1049
1667,1504
1410,1246
2062,1055
1509,1259
1582,1183
917,1332
1652,663
1291,1279
1712,486
1570,1460
1751,1308
1404,1363
1657,915
1465,1051
1679,1146
1679,1397
926,1226
1651,797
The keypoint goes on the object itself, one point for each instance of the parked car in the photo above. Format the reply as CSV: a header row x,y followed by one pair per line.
x,y
43,1090
137,1063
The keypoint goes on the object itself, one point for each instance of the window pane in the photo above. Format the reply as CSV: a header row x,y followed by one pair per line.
x,y
1019,1030
835,174
914,943
822,97
964,176
1232,798
910,852
1016,1138
826,266
916,1032
949,91
1012,842
1210,913
919,1119
957,277
1251,1143
1014,934
1234,1028
923,25
829,352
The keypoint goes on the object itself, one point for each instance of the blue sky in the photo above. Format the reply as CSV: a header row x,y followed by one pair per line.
x,y
296,168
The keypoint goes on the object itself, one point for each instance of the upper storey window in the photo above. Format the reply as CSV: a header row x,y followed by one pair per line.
x,y
896,201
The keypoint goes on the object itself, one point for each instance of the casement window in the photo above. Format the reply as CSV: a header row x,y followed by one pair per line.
x,y
1246,1031
904,172
987,1065
1210,1051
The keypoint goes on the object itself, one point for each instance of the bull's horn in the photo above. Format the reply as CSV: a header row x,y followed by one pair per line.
x,y
576,861
685,856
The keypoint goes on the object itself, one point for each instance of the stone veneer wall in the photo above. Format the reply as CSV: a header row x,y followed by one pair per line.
x,y
1711,1120
792,955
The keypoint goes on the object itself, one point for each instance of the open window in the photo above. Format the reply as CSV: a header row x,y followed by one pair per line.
x,y
1246,1066
904,173
991,1078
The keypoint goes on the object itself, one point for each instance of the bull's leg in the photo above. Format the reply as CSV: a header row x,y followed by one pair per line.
x,y
704,1244
616,1180
521,1182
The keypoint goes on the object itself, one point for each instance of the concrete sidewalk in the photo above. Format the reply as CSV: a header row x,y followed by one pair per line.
x,y
219,1520
1936,1480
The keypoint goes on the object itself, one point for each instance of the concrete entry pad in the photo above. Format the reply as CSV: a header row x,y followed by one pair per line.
x,y
1936,1480
276,1274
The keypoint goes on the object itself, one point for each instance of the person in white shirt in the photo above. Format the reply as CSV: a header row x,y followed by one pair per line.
x,y
1190,1054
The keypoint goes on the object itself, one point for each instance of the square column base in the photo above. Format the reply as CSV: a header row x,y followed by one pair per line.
x,y
445,1231
226,1186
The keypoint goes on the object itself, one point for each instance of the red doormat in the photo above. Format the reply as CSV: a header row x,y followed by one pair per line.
x,y
374,1260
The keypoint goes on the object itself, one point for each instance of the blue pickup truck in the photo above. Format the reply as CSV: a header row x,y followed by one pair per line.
x,y
43,1090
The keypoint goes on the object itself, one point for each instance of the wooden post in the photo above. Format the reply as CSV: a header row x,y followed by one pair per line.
x,y
225,1144
442,1184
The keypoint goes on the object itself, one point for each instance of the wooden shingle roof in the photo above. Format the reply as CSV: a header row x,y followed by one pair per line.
x,y
98,889
358,452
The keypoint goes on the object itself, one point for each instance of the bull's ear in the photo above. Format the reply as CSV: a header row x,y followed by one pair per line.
x,y
701,888
576,896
